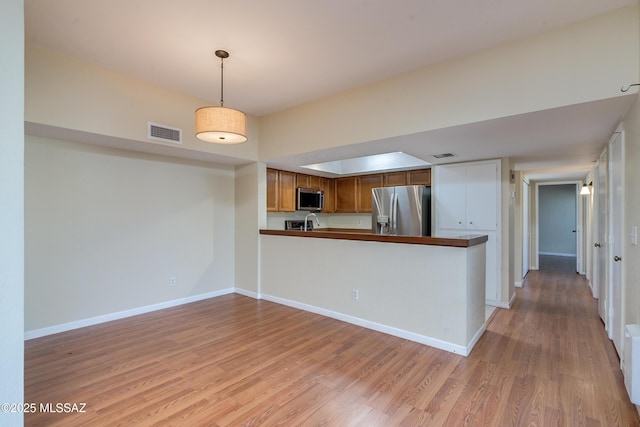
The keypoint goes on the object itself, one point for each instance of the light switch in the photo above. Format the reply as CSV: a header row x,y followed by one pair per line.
x,y
634,235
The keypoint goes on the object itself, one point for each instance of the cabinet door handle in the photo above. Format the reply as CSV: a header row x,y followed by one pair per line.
x,y
597,245
617,258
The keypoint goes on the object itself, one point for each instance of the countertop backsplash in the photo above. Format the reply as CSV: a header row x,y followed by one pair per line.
x,y
275,220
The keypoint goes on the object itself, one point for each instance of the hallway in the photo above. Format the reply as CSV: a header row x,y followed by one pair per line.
x,y
564,369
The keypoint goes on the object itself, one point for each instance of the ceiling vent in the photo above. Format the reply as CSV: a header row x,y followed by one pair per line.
x,y
164,133
443,155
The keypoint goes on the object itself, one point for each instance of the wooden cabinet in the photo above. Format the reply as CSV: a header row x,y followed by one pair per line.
x,y
419,177
341,195
393,179
365,184
328,186
286,191
272,190
346,194
413,177
307,181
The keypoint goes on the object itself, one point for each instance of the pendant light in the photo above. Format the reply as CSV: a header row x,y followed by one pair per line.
x,y
221,125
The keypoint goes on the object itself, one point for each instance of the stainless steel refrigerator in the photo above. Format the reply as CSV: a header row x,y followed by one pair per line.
x,y
401,211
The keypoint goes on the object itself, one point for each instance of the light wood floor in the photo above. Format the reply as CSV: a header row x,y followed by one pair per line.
x,y
236,361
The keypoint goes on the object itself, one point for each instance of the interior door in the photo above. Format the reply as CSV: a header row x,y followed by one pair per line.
x,y
526,233
615,254
600,244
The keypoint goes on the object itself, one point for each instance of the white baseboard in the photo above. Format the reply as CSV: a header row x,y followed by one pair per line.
x,y
390,330
50,330
501,304
518,284
246,293
557,254
401,333
512,299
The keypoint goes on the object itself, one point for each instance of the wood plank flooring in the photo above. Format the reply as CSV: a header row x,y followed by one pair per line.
x,y
236,361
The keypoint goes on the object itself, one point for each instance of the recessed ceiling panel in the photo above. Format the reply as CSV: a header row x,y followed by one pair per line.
x,y
366,164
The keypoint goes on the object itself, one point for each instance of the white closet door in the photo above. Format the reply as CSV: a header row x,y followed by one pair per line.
x,y
450,199
482,197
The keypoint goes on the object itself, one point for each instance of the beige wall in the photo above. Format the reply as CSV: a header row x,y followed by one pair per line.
x,y
106,229
12,212
557,68
250,215
68,94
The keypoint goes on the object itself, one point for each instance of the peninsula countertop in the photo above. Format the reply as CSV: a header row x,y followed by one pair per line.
x,y
462,241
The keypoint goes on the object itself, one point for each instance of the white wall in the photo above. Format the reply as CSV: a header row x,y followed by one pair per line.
x,y
105,229
11,201
558,68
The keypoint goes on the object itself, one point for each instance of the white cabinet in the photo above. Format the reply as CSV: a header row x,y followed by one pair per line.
x,y
467,196
467,201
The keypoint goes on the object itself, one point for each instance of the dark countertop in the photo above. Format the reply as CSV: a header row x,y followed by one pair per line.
x,y
463,241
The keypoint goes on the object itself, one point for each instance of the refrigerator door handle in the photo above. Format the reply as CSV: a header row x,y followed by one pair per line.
x,y
394,214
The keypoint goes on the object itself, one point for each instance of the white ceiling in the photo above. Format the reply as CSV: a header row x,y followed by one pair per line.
x,y
287,52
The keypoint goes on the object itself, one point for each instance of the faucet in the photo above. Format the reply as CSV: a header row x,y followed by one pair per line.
x,y
308,215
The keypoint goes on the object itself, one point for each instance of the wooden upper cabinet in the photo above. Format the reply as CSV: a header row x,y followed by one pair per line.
x,y
419,177
308,181
346,194
315,181
272,190
393,179
365,184
286,191
341,195
328,186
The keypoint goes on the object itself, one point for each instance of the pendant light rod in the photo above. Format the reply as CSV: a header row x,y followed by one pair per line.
x,y
222,54
221,125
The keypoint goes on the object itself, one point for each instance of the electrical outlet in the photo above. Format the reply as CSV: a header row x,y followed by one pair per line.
x,y
172,281
354,295
359,222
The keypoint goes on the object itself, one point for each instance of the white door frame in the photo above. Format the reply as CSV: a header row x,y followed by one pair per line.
x,y
526,227
615,248
601,235
579,233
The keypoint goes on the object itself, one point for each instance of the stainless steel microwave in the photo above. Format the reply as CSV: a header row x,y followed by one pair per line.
x,y
309,199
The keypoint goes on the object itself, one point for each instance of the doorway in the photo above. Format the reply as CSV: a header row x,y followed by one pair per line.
x,y
559,222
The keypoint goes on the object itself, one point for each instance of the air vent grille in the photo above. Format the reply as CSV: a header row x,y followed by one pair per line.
x,y
443,155
164,133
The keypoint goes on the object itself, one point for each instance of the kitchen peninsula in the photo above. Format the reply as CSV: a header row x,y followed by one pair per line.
x,y
426,289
